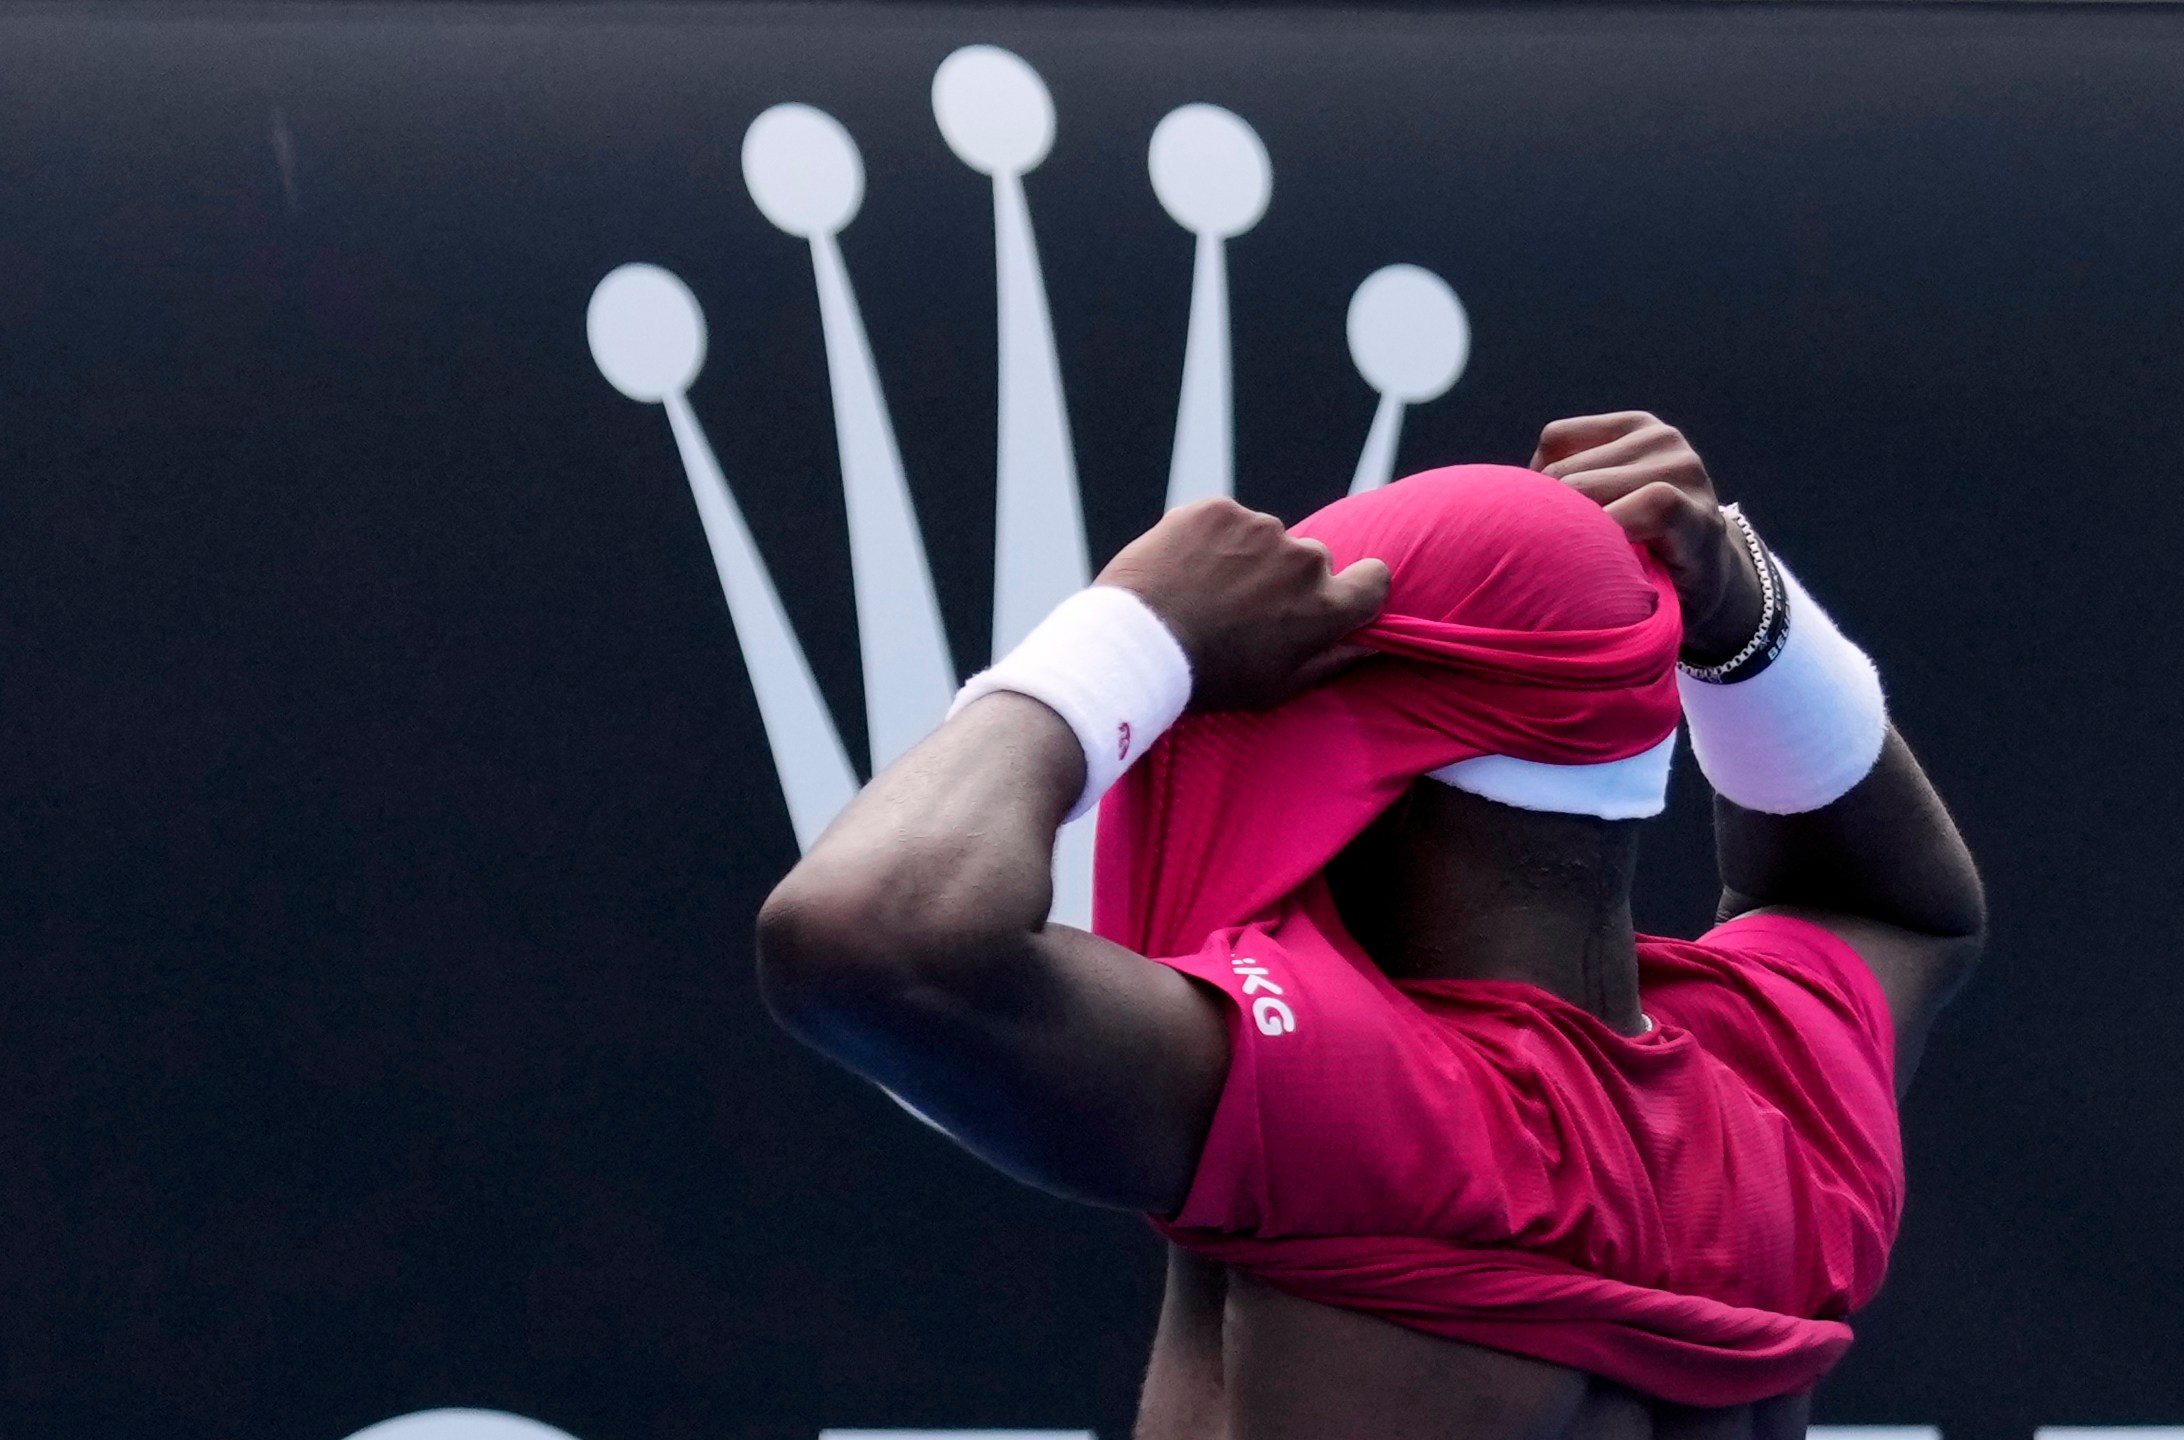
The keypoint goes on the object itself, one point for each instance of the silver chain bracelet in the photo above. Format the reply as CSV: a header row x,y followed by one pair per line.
x,y
1774,616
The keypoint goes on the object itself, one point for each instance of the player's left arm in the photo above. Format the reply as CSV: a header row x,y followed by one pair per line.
x,y
912,943
1882,866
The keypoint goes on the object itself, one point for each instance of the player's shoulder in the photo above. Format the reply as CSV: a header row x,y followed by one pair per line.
x,y
1768,970
1762,942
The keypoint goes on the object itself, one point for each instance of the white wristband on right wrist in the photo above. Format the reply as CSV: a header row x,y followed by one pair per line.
x,y
1109,666
1802,732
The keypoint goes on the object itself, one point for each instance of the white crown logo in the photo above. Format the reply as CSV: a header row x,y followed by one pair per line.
x,y
1408,335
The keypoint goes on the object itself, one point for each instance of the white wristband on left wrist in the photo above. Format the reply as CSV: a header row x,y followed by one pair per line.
x,y
1801,733
1107,665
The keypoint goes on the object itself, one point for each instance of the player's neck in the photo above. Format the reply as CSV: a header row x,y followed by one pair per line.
x,y
1452,887
1590,960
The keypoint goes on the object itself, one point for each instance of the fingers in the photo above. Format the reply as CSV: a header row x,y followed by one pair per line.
x,y
1624,449
1358,593
1605,487
1216,509
1579,433
1219,523
1326,556
1663,516
1354,596
1351,599
1653,453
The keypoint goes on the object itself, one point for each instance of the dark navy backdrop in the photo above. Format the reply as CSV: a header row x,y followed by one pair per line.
x,y
385,808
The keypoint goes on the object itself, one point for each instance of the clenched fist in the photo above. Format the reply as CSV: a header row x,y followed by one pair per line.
x,y
1259,612
1653,483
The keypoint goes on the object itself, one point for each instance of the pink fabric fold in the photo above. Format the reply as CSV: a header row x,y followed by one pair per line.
x,y
1519,622
1685,1349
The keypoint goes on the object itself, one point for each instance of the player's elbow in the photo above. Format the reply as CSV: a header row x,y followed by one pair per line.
x,y
1960,912
1957,931
1972,917
1934,891
840,948
819,949
1957,914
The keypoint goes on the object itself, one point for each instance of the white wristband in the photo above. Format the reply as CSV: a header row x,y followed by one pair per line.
x,y
1800,733
1105,663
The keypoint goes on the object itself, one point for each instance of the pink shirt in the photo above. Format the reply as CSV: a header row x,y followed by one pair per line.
x,y
1691,1212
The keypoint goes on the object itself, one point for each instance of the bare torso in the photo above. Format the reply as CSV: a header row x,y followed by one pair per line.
x,y
1238,1360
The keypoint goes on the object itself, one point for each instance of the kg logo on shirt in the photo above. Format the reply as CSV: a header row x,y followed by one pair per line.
x,y
1271,1014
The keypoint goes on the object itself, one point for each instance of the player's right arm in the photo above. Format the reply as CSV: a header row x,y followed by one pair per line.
x,y
1885,869
1882,866
912,944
